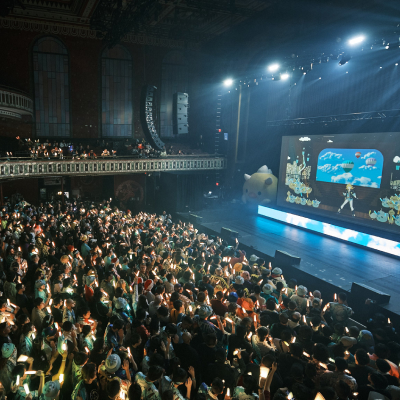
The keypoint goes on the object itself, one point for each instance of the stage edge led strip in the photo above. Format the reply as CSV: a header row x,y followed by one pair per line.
x,y
362,239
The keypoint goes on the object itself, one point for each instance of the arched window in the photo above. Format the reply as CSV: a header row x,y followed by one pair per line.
x,y
174,79
116,93
51,83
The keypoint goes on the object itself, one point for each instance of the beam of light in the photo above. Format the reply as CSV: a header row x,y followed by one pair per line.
x,y
356,40
273,67
228,82
338,232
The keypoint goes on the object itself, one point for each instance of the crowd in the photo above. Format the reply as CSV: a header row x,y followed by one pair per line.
x,y
97,303
37,149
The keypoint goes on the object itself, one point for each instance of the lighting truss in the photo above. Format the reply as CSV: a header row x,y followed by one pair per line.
x,y
337,118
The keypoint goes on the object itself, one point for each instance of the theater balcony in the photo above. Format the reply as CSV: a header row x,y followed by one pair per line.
x,y
12,169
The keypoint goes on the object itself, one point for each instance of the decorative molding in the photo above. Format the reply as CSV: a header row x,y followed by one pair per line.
x,y
82,31
43,168
9,114
15,102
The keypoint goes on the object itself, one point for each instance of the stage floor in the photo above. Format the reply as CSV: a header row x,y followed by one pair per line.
x,y
334,261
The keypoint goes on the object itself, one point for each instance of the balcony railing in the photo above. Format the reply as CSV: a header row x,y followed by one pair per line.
x,y
109,166
14,104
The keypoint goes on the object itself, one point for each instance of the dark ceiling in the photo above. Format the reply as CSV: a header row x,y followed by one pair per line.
x,y
191,21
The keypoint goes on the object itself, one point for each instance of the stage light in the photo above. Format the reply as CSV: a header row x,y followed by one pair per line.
x,y
273,67
396,64
356,40
284,76
345,59
228,82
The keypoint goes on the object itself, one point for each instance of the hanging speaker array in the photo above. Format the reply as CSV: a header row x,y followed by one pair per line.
x,y
147,108
180,113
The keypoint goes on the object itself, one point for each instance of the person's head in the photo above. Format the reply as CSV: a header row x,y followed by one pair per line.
x,y
381,351
361,357
201,297
211,340
342,297
340,364
383,366
187,322
38,303
320,353
220,356
67,326
20,288
377,380
296,349
186,337
89,373
80,358
283,319
217,386
113,388
268,360
70,304
155,372
262,333
178,305
179,376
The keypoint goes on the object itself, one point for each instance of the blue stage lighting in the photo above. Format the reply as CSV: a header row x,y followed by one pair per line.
x,y
356,40
284,76
273,67
228,82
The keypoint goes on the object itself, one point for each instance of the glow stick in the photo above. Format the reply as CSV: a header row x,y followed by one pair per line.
x,y
61,378
335,297
22,358
26,387
50,302
264,372
30,372
17,381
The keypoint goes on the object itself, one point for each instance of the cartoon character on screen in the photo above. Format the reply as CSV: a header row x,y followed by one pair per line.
x,y
349,196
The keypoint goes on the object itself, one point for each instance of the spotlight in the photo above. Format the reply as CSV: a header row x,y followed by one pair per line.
x,y
273,67
356,40
284,76
228,82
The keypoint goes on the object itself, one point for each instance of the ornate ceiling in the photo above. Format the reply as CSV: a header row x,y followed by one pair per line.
x,y
174,21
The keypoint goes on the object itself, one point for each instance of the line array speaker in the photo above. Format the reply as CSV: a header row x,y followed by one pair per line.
x,y
147,108
180,113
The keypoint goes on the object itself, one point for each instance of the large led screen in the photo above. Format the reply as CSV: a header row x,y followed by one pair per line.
x,y
351,177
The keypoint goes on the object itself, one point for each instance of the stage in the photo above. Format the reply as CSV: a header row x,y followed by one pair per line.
x,y
334,264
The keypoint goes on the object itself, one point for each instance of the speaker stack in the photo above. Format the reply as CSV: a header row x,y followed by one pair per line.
x,y
147,108
180,113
